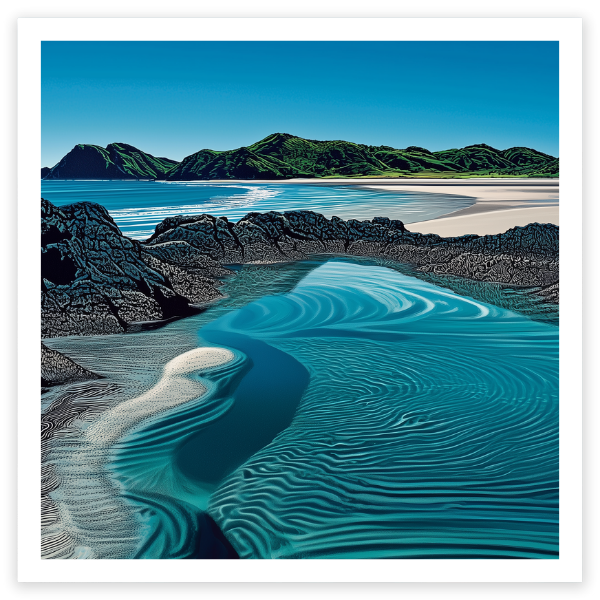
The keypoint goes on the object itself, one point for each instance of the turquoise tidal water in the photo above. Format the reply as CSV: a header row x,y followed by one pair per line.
x,y
367,414
138,206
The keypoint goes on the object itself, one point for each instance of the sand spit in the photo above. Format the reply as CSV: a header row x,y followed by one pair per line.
x,y
174,388
487,222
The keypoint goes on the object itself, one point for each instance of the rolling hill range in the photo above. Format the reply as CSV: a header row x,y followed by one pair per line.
x,y
285,156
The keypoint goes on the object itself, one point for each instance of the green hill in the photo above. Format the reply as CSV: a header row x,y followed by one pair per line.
x,y
230,164
527,160
320,159
285,156
116,161
192,165
415,158
475,158
282,156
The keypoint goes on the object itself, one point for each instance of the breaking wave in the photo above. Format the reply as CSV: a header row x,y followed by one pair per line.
x,y
138,206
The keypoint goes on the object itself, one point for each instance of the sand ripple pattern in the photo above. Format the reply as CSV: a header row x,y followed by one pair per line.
x,y
83,403
89,513
429,428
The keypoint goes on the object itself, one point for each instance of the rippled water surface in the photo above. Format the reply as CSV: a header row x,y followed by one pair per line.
x,y
138,206
367,414
429,427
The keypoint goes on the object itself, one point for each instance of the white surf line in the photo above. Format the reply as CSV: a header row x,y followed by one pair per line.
x,y
174,388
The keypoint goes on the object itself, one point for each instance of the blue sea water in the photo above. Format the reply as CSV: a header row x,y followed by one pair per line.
x,y
367,414
138,206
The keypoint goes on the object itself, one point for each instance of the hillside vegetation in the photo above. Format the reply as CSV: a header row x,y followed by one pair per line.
x,y
116,161
285,156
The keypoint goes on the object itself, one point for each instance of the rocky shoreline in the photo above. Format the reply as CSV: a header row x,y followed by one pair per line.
x,y
97,281
58,369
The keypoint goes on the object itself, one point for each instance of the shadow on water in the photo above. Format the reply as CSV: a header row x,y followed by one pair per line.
x,y
213,544
182,532
265,402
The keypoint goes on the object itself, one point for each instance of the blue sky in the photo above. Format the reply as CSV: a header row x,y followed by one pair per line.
x,y
174,98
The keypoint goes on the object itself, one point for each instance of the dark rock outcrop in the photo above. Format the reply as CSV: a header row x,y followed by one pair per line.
x,y
45,171
96,281
58,369
525,256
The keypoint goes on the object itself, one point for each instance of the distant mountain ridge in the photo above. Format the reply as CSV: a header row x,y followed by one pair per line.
x,y
286,156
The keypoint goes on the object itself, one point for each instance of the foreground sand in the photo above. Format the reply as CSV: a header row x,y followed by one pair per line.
x,y
174,388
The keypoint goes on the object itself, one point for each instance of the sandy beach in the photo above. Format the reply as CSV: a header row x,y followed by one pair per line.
x,y
500,203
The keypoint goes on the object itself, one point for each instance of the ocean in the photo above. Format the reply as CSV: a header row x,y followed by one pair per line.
x,y
138,206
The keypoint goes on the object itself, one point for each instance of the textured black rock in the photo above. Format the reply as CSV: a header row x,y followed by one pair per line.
x,y
97,281
526,256
58,369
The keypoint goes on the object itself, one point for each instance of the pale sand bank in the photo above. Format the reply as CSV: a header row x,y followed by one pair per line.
x,y
486,222
174,388
499,203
